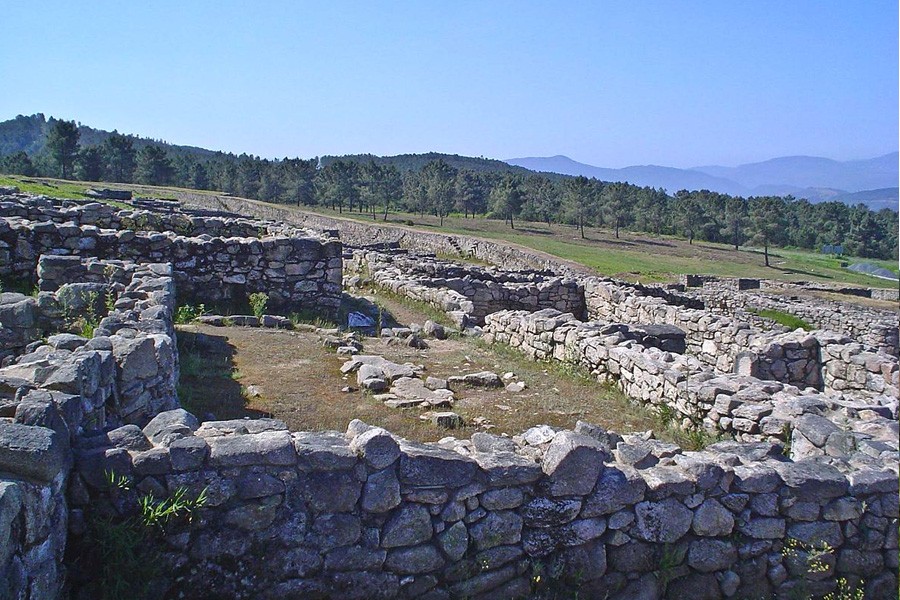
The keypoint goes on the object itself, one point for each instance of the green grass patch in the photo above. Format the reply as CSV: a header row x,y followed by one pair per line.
x,y
640,256
431,312
783,318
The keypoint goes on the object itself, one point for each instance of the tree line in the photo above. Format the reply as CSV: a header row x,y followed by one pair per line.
x,y
379,187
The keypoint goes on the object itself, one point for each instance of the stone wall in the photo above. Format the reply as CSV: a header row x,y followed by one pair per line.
x,y
58,392
475,291
367,515
127,372
296,272
739,405
724,343
875,328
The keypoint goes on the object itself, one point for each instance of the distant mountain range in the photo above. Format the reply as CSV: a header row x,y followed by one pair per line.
x,y
872,181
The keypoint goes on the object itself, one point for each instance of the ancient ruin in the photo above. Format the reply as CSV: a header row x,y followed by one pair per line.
x,y
800,496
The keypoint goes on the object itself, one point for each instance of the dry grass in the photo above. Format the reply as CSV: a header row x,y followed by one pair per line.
x,y
299,381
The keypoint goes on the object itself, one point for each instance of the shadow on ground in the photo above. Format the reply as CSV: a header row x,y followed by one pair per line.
x,y
209,384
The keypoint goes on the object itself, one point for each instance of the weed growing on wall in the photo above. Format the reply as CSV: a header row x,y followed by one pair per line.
x,y
187,313
258,301
126,546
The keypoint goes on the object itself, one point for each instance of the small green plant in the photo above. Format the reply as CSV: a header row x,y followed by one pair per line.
x,y
672,558
787,432
258,301
782,318
128,547
84,321
158,514
110,300
812,560
666,414
187,313
846,591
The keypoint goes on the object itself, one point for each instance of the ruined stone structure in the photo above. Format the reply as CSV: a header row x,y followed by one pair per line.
x,y
872,327
215,259
473,291
810,495
55,394
724,342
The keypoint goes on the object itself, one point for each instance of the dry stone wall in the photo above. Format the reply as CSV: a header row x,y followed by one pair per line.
x,y
297,272
742,406
875,328
726,343
58,392
366,515
474,291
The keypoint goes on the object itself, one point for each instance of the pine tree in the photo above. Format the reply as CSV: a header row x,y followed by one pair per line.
x,y
62,143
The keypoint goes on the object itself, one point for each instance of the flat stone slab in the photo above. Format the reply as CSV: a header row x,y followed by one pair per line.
x,y
481,379
391,370
413,389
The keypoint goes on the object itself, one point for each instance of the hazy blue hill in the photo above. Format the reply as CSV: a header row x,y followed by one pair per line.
x,y
812,171
670,178
874,199
871,181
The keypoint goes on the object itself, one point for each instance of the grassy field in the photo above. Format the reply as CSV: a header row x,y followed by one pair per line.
x,y
633,257
646,258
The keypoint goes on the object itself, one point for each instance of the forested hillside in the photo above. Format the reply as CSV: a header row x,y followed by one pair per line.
x,y
415,162
443,184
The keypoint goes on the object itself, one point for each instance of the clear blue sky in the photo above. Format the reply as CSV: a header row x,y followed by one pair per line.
x,y
678,83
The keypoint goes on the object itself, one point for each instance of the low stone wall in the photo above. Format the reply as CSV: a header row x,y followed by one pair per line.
x,y
296,272
148,215
475,291
725,343
126,373
877,329
366,515
886,294
714,339
739,405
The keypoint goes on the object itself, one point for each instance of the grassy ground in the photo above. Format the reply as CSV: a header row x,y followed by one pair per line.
x,y
234,372
644,257
783,318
